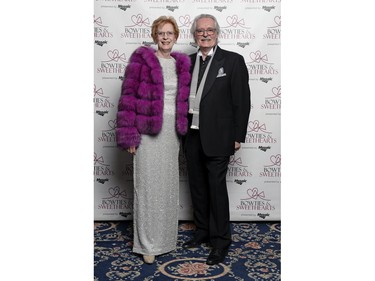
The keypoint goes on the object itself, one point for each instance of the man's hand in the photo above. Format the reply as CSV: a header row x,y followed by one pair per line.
x,y
237,146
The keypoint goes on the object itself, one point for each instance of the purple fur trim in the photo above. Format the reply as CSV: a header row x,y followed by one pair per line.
x,y
182,125
182,67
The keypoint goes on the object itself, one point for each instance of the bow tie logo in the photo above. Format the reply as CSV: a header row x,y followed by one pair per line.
x,y
115,56
98,21
99,92
235,161
254,193
255,126
235,21
99,160
257,57
139,21
116,192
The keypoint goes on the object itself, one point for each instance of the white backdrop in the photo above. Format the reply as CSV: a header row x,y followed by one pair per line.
x,y
249,27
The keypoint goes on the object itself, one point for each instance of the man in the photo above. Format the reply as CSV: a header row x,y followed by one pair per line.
x,y
219,108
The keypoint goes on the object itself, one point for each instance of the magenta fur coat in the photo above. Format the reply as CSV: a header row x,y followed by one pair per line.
x,y
140,108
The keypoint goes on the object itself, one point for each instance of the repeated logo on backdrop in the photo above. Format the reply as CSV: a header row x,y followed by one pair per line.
x,y
235,28
237,168
101,31
102,103
113,61
258,133
107,135
137,28
273,31
258,63
272,170
102,169
184,23
116,199
255,202
273,99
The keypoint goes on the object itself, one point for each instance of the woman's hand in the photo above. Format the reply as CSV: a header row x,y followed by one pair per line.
x,y
131,150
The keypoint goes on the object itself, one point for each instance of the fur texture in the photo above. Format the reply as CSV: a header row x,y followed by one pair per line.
x,y
140,108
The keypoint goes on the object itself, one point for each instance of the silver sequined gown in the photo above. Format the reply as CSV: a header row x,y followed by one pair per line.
x,y
156,179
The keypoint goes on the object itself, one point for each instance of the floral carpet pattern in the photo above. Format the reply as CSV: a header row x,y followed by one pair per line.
x,y
255,254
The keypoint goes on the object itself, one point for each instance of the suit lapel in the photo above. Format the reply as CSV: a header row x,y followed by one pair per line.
x,y
192,58
218,61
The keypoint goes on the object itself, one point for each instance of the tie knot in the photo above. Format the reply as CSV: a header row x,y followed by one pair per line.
x,y
207,59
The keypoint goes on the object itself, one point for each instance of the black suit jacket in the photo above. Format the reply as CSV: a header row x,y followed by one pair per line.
x,y
225,103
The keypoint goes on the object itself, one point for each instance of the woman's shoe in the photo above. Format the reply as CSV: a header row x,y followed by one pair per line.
x,y
148,259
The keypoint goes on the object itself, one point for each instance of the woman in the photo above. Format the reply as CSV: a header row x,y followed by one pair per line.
x,y
152,115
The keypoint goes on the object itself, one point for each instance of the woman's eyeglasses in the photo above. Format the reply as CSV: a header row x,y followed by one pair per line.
x,y
163,34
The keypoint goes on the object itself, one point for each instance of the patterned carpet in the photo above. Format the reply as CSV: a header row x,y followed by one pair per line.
x,y
255,254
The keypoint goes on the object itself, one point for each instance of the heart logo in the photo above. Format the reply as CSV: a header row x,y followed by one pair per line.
x,y
112,124
113,54
276,159
184,20
277,20
276,91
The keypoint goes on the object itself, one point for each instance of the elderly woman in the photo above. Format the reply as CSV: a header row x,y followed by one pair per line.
x,y
152,115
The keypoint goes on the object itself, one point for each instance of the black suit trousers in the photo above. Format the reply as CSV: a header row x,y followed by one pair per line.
x,y
209,194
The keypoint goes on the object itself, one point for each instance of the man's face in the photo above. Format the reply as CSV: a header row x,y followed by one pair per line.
x,y
206,33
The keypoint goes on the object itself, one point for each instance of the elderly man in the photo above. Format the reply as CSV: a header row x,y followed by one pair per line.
x,y
219,108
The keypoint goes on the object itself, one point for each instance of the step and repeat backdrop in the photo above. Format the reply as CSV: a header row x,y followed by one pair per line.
x,y
249,27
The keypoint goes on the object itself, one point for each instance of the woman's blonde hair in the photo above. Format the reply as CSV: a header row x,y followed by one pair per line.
x,y
159,22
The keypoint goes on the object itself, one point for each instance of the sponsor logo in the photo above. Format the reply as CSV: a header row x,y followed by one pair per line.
x,y
124,7
263,216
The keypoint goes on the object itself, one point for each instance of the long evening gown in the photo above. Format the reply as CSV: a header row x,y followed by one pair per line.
x,y
156,178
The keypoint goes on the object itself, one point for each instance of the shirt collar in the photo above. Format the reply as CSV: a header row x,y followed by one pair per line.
x,y
209,53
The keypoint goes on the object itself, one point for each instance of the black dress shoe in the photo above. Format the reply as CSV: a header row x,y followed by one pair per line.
x,y
194,243
216,256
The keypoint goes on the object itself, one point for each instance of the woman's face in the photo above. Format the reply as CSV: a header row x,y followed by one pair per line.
x,y
166,37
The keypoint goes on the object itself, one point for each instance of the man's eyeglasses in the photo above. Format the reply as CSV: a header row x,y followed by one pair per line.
x,y
163,34
209,31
